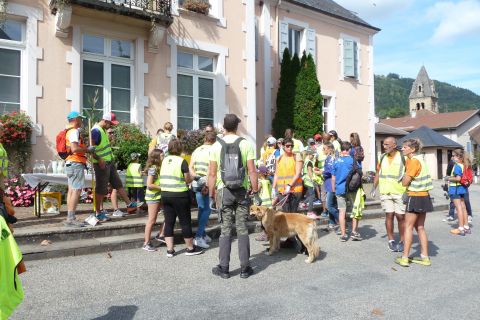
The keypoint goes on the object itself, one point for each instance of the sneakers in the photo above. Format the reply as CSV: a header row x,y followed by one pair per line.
x,y
324,214
344,238
312,215
102,217
139,204
356,236
423,261
92,220
132,207
148,247
400,246
207,238
449,219
194,251
331,227
317,202
200,242
170,253
470,219
221,272
118,213
262,237
457,232
160,238
392,246
246,272
302,206
105,212
402,261
74,224
468,231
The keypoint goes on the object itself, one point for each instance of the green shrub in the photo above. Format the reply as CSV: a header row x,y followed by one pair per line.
x,y
15,136
129,138
191,139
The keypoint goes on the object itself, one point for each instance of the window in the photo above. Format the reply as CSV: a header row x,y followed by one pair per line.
x,y
297,37
350,58
419,88
11,47
195,91
107,81
326,103
294,41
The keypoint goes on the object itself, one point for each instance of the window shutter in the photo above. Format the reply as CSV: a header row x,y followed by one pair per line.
x,y
311,43
355,59
282,38
348,58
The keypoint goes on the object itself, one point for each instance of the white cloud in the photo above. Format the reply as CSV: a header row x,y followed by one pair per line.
x,y
455,19
374,10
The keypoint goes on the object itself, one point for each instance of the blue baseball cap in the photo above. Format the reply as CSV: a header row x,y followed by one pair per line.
x,y
74,114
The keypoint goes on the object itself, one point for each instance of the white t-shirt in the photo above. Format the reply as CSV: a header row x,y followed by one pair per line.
x,y
73,135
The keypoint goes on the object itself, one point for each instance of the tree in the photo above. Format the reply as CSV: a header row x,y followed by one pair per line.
x,y
308,102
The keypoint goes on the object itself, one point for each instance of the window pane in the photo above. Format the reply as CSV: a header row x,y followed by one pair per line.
x,y
205,108
205,63
185,123
11,30
120,100
120,76
184,85
121,48
93,72
122,116
9,89
185,60
10,62
89,93
185,106
205,88
202,123
92,44
9,107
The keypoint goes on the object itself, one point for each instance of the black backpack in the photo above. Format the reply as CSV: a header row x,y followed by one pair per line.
x,y
354,178
231,166
358,154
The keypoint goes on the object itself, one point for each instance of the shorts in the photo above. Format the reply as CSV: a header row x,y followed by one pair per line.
x,y
392,203
106,175
345,201
75,175
419,204
457,196
153,201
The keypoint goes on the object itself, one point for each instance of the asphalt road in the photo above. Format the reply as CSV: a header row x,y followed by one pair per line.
x,y
352,280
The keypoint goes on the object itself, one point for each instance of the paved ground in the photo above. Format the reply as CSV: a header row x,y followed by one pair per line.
x,y
352,280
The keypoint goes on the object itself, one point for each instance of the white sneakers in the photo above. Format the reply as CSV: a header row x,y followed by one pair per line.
x,y
118,213
200,242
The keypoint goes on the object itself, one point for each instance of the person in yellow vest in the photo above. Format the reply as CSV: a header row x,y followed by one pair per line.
x,y
390,170
264,186
418,181
320,140
308,181
105,169
134,180
174,178
153,196
199,171
11,265
269,150
297,144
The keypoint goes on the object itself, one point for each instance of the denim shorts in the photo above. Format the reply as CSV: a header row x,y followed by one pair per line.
x,y
76,175
457,196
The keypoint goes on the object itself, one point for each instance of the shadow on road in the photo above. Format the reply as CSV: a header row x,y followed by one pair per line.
x,y
367,231
119,313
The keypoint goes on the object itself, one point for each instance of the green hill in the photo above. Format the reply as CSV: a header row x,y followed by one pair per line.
x,y
392,91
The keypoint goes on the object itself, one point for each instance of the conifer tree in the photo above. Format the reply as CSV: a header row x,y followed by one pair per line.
x,y
284,98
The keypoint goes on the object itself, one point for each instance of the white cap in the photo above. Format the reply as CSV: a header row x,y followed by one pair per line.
x,y
271,140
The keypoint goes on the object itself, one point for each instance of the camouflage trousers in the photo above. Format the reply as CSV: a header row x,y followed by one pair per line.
x,y
235,208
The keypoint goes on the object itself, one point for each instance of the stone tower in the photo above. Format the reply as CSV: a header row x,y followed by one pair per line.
x,y
423,95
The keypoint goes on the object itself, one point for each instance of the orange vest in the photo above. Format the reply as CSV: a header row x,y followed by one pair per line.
x,y
285,173
77,156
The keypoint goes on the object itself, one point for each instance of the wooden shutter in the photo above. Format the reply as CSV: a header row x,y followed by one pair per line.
x,y
282,38
311,43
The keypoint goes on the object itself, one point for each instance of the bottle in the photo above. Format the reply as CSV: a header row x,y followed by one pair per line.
x,y
61,167
43,169
50,168
36,166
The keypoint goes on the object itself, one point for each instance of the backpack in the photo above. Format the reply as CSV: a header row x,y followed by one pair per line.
x,y
61,144
163,140
271,163
467,177
358,154
231,166
354,178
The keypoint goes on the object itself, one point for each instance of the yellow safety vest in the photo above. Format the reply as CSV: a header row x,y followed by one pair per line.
x,y
3,162
11,290
455,183
202,156
171,175
152,195
296,145
133,178
424,181
389,175
103,150
306,178
266,192
321,157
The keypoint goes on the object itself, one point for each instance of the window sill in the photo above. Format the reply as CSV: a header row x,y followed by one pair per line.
x,y
217,20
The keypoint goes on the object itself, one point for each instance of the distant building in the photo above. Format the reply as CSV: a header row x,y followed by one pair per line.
x,y
423,95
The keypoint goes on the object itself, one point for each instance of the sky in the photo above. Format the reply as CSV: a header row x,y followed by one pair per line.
x,y
444,36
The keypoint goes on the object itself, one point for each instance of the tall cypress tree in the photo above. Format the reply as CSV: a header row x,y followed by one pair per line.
x,y
284,97
307,119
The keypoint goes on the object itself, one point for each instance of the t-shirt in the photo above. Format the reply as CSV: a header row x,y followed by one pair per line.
x,y
327,173
413,167
457,172
246,149
96,136
73,135
341,168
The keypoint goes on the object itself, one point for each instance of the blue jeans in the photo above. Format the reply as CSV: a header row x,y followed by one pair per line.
x,y
203,213
332,208
466,198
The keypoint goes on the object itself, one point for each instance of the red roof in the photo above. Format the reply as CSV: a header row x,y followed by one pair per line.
x,y
431,120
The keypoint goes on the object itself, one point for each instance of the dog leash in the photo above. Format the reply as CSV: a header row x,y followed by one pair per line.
x,y
283,201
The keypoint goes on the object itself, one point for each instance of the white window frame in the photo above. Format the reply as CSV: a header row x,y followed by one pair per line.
x,y
196,73
216,11
358,65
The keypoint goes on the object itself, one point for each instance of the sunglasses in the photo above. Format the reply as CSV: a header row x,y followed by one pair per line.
x,y
288,145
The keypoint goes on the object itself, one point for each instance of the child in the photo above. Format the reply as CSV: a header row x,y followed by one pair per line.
x,y
308,181
134,180
330,199
265,187
152,195
341,168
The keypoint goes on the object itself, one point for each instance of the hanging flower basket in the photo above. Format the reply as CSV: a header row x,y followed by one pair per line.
x,y
199,6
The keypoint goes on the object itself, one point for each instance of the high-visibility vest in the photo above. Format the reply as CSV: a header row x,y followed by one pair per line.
x,y
307,181
3,162
201,159
297,146
151,195
11,290
455,183
171,175
266,192
133,178
321,157
424,181
389,175
285,172
103,149
77,156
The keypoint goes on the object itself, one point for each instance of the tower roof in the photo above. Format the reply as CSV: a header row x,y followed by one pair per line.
x,y
427,86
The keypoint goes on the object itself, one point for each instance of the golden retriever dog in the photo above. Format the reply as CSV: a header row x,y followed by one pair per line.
x,y
279,224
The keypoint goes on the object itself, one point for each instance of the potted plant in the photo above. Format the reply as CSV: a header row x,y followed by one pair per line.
x,y
199,6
